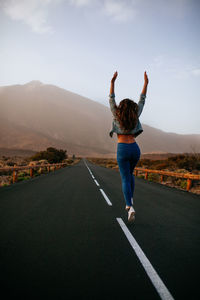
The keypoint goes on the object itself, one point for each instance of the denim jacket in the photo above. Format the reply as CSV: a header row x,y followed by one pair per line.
x,y
115,124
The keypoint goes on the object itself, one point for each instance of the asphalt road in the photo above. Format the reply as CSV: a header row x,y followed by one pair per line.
x,y
60,237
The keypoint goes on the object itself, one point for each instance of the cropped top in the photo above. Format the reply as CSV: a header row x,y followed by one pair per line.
x,y
116,125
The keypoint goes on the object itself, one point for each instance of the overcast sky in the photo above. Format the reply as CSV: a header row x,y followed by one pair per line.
x,y
79,44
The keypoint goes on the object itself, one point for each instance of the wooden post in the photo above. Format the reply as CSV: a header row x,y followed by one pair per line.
x,y
189,184
31,172
161,178
136,172
48,169
146,175
14,176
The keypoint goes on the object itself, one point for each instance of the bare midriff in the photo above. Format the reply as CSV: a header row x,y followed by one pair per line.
x,y
126,138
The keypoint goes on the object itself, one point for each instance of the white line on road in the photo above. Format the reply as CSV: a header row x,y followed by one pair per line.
x,y
106,198
154,277
103,193
96,182
89,169
91,173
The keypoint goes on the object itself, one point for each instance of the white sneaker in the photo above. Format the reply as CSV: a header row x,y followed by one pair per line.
x,y
131,215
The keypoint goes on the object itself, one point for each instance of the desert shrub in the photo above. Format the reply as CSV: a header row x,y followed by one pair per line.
x,y
43,161
185,161
162,166
52,155
10,163
183,184
144,162
21,174
153,164
69,161
21,178
4,173
191,163
5,158
153,177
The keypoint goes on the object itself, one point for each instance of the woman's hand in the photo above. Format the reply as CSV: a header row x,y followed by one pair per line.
x,y
114,77
146,80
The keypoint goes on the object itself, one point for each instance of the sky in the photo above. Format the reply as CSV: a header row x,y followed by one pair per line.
x,y
79,44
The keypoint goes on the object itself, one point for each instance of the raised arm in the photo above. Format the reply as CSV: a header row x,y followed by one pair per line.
x,y
143,94
146,81
112,94
112,84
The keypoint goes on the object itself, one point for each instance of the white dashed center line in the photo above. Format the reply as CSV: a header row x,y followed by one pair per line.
x,y
105,197
96,182
103,193
152,274
154,277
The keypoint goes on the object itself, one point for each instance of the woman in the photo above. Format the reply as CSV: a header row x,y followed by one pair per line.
x,y
127,126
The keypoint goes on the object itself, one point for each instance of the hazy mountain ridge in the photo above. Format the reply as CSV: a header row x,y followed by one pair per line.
x,y
153,138
35,116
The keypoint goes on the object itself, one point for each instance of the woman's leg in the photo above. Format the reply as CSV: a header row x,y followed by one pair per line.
x,y
134,160
124,168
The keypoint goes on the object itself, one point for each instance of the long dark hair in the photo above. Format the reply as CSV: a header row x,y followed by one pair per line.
x,y
127,114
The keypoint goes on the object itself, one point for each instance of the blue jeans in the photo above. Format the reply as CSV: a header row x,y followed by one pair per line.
x,y
128,156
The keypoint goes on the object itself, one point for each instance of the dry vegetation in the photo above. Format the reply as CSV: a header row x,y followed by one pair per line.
x,y
7,161
181,163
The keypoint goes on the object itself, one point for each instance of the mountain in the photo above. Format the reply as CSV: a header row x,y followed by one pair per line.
x,y
35,116
154,140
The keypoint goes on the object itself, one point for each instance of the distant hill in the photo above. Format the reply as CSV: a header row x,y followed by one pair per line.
x,y
35,116
157,141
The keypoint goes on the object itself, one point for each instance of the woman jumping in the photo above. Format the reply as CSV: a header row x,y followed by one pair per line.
x,y
127,126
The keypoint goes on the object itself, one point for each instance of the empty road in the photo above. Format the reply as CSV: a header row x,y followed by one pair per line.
x,y
65,234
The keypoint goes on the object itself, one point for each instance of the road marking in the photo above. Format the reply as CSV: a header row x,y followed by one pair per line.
x,y
154,277
88,169
103,193
96,182
91,174
106,198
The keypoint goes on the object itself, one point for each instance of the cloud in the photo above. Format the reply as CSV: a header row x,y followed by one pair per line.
x,y
31,12
158,61
118,10
187,73
174,66
34,13
80,3
195,72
